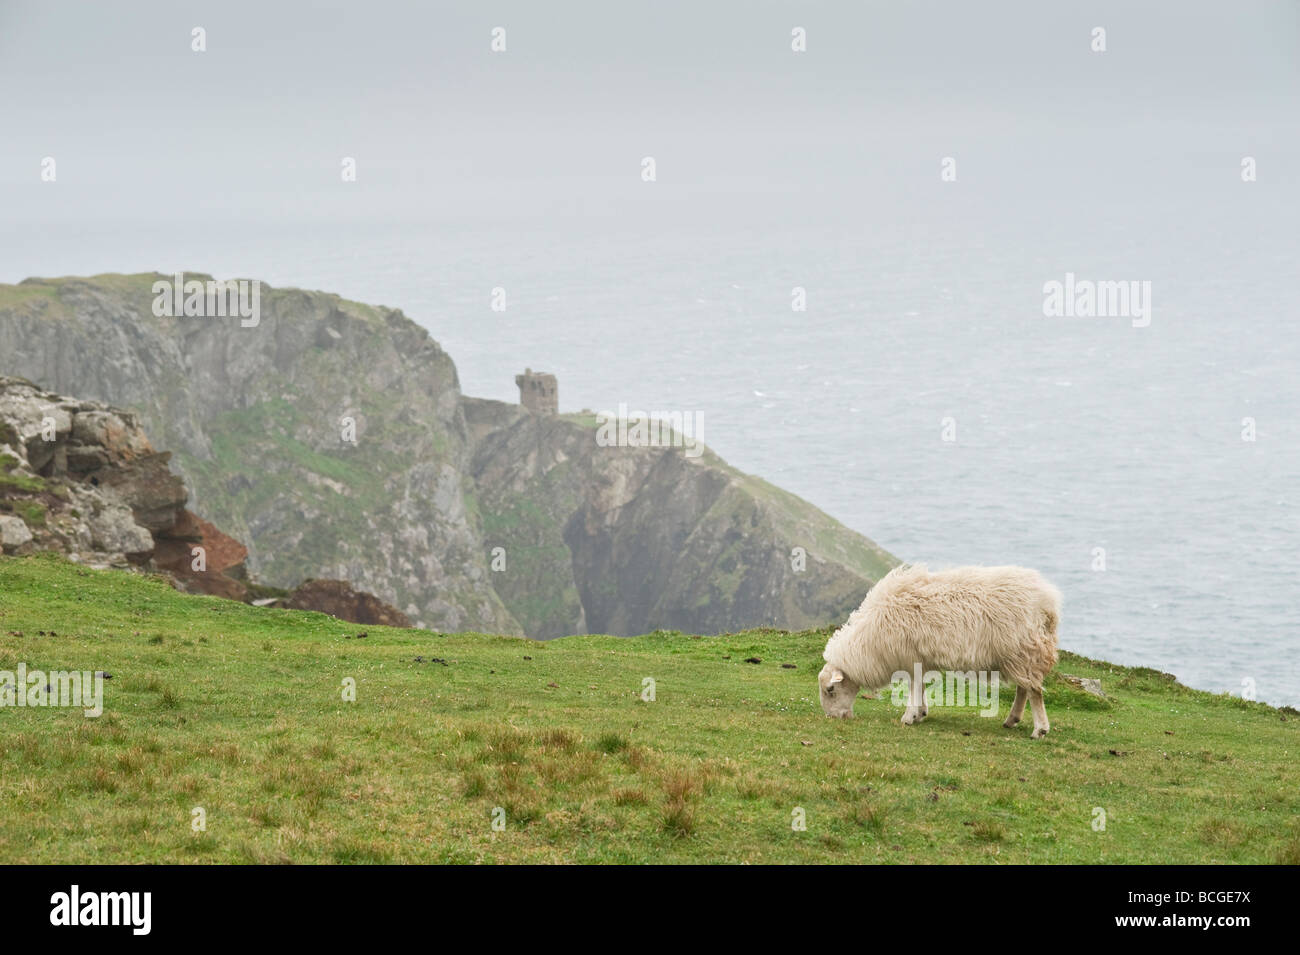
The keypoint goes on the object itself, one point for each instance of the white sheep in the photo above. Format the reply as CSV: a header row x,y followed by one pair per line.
x,y
991,619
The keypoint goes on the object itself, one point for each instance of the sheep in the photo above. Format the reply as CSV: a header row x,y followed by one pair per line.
x,y
993,619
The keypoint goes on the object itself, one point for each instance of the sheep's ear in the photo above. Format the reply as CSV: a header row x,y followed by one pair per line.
x,y
837,676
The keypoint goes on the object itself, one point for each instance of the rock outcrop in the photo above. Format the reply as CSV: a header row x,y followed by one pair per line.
x,y
82,478
333,439
222,573
338,599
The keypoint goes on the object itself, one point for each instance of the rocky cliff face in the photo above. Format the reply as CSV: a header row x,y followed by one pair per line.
x,y
628,540
328,437
333,439
81,477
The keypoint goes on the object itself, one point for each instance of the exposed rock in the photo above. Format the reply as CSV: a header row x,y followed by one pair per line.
x,y
338,599
65,508
154,494
222,552
629,540
202,559
113,530
14,533
255,418
1087,684
333,439
82,478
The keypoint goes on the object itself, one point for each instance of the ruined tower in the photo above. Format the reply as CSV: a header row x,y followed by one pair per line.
x,y
538,391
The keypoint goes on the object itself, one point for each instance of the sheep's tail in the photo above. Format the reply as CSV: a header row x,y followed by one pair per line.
x,y
1051,620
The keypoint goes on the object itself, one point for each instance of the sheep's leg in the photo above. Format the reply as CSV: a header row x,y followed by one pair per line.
x,y
1041,725
916,710
1017,708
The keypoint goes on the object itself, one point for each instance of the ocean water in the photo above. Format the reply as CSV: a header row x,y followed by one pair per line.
x,y
1071,434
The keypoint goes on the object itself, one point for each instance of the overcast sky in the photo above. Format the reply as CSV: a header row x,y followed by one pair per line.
x,y
144,129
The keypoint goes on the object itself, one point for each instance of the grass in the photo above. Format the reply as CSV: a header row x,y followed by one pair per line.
x,y
21,483
238,711
32,512
10,481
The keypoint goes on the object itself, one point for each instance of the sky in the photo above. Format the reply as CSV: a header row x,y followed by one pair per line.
x,y
145,130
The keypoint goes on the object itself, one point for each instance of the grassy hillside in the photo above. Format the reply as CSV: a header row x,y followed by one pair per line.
x,y
239,711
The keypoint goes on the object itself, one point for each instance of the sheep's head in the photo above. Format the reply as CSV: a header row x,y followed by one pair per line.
x,y
838,692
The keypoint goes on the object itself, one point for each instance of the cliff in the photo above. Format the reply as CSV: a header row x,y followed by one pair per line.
x,y
81,478
628,540
333,439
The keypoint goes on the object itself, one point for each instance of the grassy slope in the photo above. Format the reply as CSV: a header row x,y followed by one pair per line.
x,y
238,710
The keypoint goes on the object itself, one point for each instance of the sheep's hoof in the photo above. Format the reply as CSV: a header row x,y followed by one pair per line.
x,y
1039,733
1010,721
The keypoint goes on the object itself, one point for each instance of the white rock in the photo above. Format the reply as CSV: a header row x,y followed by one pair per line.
x,y
13,532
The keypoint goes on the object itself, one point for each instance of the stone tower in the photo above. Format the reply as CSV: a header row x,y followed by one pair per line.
x,y
538,391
